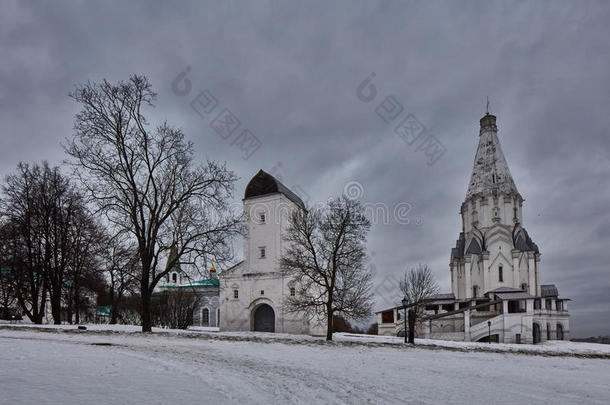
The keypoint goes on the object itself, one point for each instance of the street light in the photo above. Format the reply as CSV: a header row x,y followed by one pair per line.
x,y
405,302
489,331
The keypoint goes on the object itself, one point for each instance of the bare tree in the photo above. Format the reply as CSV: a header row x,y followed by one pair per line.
x,y
416,285
7,274
41,208
145,183
22,236
176,307
121,267
61,208
82,274
326,256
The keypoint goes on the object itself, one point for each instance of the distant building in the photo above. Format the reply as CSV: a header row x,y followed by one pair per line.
x,y
495,266
207,310
253,292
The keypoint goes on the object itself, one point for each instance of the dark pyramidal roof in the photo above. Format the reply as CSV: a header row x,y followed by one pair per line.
x,y
263,183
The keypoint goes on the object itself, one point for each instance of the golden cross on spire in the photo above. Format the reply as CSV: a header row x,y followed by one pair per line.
x,y
487,106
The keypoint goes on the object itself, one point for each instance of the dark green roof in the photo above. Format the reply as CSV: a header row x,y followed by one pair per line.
x,y
103,310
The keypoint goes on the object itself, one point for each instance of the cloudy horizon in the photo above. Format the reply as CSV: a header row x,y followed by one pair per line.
x,y
291,75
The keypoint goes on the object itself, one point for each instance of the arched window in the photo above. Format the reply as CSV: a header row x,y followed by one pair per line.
x,y
174,277
500,275
559,331
475,290
548,331
205,317
524,287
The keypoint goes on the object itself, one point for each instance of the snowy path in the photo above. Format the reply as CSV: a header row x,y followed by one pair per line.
x,y
70,368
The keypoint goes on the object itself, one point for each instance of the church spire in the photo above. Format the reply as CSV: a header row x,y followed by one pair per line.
x,y
490,173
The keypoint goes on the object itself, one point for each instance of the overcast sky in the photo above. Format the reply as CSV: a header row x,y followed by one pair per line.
x,y
289,72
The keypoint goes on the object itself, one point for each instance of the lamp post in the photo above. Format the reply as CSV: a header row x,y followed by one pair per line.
x,y
489,331
405,301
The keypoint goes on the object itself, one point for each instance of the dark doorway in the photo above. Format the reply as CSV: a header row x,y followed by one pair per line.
x,y
264,319
536,333
559,331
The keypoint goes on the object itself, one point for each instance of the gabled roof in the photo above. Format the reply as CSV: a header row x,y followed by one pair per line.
x,y
522,240
445,296
505,289
230,269
474,247
548,290
458,251
510,293
517,295
263,183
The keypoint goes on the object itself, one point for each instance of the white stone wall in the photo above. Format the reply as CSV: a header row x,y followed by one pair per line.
x,y
259,280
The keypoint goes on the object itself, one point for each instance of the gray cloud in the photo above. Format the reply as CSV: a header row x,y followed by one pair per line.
x,y
290,71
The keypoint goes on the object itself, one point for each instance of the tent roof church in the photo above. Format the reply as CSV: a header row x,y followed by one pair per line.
x,y
495,265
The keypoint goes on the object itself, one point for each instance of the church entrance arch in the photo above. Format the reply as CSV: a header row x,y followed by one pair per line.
x,y
264,318
536,333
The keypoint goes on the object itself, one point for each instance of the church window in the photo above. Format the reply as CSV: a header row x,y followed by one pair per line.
x,y
235,294
174,277
500,275
524,287
474,290
262,252
293,291
205,317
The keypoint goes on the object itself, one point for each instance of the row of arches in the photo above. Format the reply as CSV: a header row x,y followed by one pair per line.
x,y
538,335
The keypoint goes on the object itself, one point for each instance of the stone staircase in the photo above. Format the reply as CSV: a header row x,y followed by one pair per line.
x,y
481,330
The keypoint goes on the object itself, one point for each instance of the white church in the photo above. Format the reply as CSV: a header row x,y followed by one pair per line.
x,y
496,276
254,291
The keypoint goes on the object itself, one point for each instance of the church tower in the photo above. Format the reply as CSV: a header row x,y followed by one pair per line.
x,y
493,250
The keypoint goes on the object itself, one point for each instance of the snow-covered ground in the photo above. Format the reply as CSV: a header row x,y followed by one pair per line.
x,y
102,367
550,348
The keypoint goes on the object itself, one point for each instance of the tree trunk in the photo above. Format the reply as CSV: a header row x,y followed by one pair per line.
x,y
114,310
56,308
76,315
69,313
411,318
146,318
329,325
76,305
